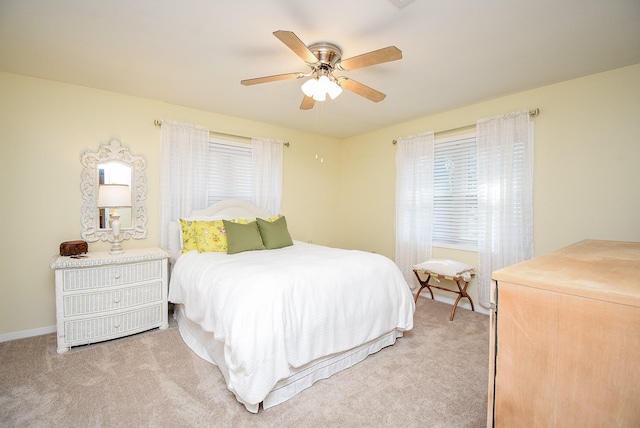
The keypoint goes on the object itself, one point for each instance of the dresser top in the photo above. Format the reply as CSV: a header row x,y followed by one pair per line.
x,y
604,270
100,258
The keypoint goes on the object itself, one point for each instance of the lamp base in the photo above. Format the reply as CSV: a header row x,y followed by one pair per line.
x,y
116,248
115,228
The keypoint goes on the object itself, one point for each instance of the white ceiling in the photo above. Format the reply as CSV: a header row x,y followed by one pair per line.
x,y
195,52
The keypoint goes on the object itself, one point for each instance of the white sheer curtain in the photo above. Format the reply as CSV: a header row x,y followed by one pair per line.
x,y
505,195
267,167
183,172
414,202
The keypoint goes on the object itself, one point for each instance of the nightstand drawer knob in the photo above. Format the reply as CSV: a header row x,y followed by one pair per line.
x,y
117,298
116,323
117,275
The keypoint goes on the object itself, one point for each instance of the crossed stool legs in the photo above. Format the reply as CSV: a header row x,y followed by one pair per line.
x,y
461,292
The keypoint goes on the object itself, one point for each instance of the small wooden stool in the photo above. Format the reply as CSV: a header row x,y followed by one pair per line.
x,y
462,288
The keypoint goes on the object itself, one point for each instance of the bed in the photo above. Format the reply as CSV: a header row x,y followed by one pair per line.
x,y
277,320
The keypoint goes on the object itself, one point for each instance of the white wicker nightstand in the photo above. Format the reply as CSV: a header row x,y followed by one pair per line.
x,y
103,296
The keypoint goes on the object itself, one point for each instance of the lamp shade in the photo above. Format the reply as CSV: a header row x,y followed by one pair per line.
x,y
114,196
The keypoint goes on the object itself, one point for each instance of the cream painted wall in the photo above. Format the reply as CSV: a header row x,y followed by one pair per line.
x,y
586,176
44,128
586,182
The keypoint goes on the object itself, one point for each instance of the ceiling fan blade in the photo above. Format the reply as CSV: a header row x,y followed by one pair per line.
x,y
362,90
274,78
390,53
296,45
307,103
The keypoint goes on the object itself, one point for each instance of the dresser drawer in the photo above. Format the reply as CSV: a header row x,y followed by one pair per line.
x,y
104,296
96,329
100,301
109,275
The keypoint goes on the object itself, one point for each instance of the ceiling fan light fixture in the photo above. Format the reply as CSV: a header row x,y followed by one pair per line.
x,y
319,87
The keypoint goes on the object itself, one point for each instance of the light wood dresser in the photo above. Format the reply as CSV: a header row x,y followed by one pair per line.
x,y
102,296
565,339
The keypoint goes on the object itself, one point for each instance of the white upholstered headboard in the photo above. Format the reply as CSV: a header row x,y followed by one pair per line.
x,y
231,209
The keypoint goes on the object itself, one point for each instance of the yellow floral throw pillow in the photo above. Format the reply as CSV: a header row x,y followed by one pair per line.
x,y
189,242
211,236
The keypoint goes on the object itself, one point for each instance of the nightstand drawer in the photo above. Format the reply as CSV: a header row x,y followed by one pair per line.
x,y
102,328
104,276
100,301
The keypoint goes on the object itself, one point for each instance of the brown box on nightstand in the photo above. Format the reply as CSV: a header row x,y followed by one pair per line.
x,y
73,248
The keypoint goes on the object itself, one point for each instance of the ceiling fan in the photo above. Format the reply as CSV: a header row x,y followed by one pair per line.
x,y
324,58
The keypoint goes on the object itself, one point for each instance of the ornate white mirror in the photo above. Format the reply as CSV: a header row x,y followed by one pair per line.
x,y
113,164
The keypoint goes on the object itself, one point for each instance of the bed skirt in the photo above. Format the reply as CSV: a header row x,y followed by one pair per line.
x,y
203,344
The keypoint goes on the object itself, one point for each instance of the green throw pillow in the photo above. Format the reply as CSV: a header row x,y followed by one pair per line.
x,y
274,234
242,237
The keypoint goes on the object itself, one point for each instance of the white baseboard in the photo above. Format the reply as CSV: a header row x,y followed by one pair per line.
x,y
464,303
27,333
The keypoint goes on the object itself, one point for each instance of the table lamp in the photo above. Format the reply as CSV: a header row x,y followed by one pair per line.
x,y
114,196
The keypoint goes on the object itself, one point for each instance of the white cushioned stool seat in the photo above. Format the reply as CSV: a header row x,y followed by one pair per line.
x,y
446,267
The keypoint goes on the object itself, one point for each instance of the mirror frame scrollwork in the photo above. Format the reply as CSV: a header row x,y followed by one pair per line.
x,y
113,151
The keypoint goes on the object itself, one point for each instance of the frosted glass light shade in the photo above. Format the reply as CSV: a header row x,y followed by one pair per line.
x,y
320,96
309,87
334,90
323,83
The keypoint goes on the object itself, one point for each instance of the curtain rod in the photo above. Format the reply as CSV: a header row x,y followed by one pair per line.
x,y
222,134
532,113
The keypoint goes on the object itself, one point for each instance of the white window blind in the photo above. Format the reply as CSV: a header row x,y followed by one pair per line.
x,y
230,171
455,216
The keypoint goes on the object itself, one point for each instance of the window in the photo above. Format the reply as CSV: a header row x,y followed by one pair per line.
x,y
455,216
230,171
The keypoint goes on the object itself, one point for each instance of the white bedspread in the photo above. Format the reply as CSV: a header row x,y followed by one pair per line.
x,y
274,309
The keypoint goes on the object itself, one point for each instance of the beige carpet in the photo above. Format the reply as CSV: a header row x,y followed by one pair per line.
x,y
435,376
